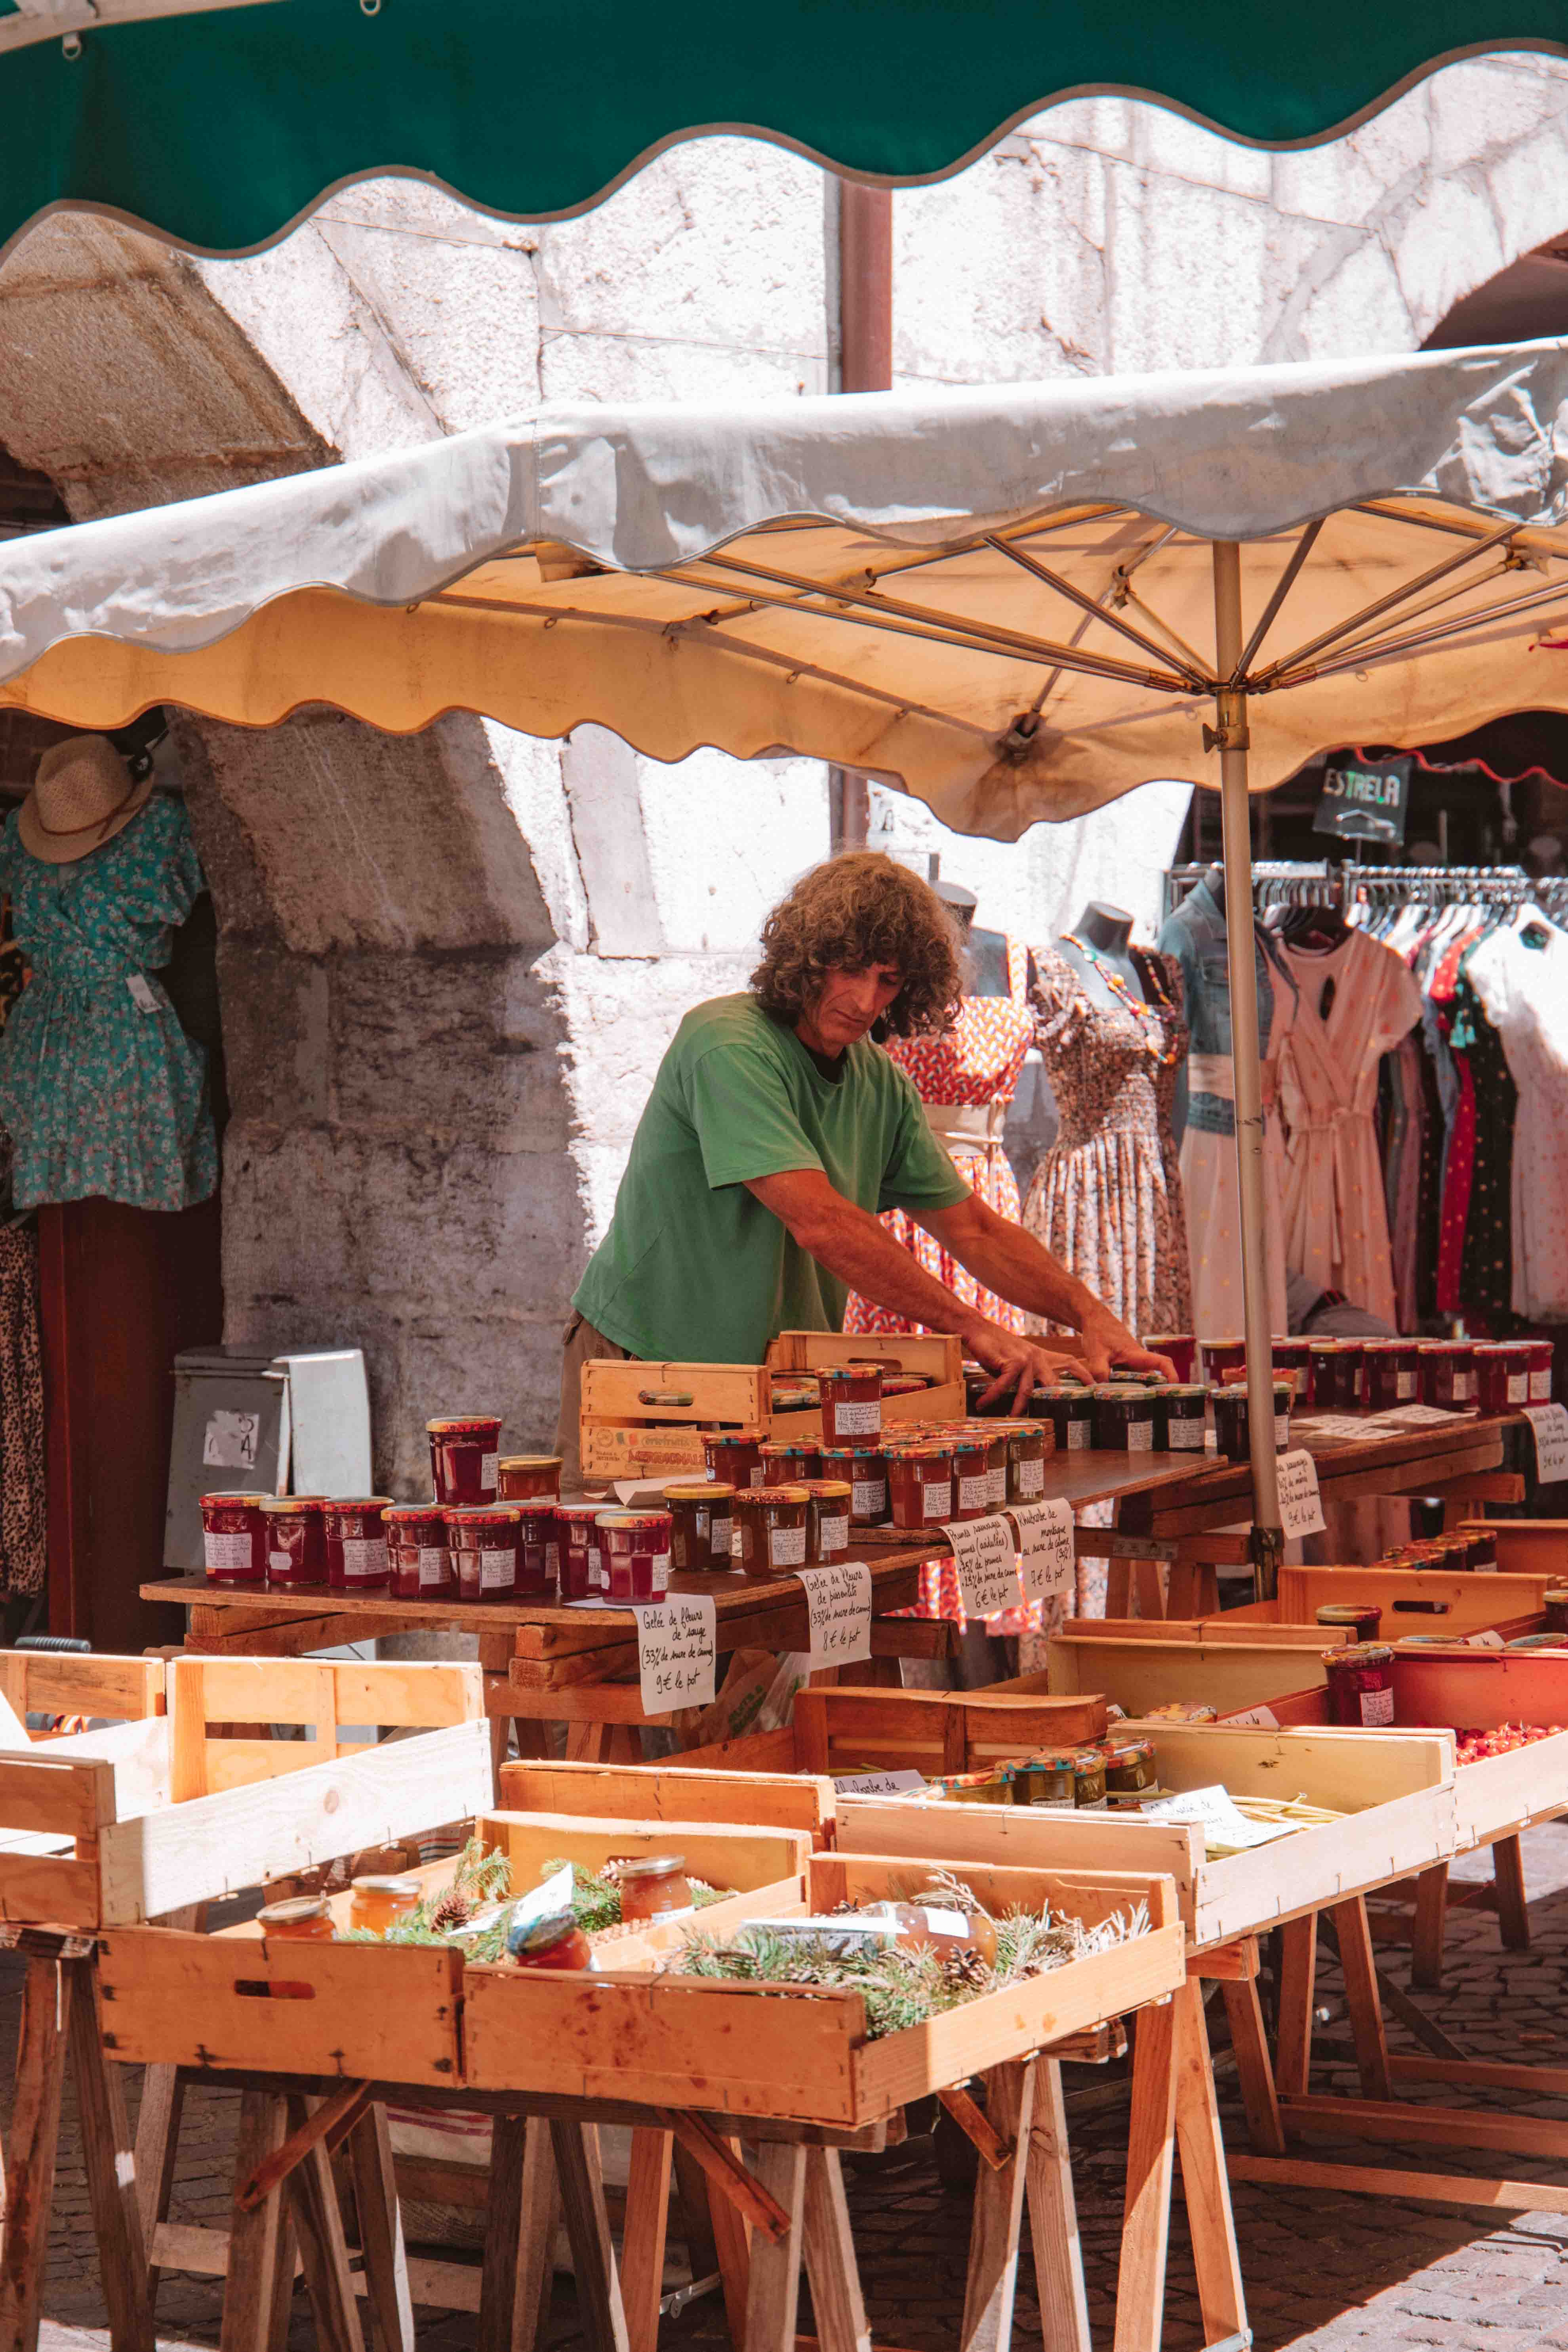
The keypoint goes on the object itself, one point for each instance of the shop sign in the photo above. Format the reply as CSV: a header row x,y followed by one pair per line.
x,y
1368,800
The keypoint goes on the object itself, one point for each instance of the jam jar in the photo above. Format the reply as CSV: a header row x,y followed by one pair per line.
x,y
484,1539
1360,1682
1351,1620
579,1552
993,1435
1131,1769
528,1477
827,1521
635,1547
920,1485
1327,1376
1502,1376
1224,1362
376,1904
735,1455
538,1550
1088,1779
1480,1548
851,1403
1070,1412
654,1886
1540,1370
866,1468
557,1942
306,1917
702,1524
1028,1443
1230,1421
972,1476
1048,1779
296,1538
234,1538
1180,1346
785,1465
769,1530
1291,1356
356,1543
465,1456
1555,1600
1447,1369
988,1787
1352,1374
1392,1374
417,1550
1186,1417
1124,1418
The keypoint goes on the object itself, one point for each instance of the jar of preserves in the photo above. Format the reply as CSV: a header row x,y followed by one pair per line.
x,y
1186,1418
234,1538
1049,1779
1131,1769
702,1524
735,1455
484,1540
1070,1409
920,1485
938,1927
1351,1620
529,1477
636,1552
865,1468
827,1521
1231,1421
972,1476
417,1551
308,1917
1392,1375
1324,1385
653,1887
464,1457
987,1788
1123,1418
787,1465
851,1402
1088,1780
296,1531
356,1543
1291,1356
579,1552
1028,1443
993,1435
1224,1362
1480,1548
538,1552
1180,1346
770,1531
1540,1355
376,1904
1502,1376
1360,1682
903,1384
1555,1600
557,1942
1447,1371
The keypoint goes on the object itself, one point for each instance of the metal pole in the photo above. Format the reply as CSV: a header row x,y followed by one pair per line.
x,y
1231,736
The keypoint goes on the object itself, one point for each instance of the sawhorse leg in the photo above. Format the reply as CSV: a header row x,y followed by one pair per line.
x,y
1174,2111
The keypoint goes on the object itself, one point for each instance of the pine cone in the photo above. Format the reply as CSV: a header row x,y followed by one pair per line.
x,y
966,1972
454,1910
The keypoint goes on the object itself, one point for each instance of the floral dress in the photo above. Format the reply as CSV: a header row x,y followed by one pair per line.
x,y
102,1091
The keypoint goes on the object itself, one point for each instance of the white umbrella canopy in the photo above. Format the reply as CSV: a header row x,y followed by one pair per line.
x,y
1015,601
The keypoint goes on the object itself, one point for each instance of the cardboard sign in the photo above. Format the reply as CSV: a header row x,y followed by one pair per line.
x,y
1300,1507
1046,1560
1365,799
838,1600
677,1646
1550,1423
987,1562
230,1441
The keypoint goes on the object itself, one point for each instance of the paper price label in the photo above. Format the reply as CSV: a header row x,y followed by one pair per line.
x,y
1046,1557
677,1647
879,1784
230,1441
1550,1423
1300,1507
1489,1640
1253,1718
838,1602
987,1561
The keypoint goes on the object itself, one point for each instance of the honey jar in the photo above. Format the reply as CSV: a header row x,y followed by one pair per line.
x,y
702,1524
376,1904
1028,1443
654,1886
306,1917
526,1477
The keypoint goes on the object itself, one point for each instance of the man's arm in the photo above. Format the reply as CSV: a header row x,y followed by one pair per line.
x,y
1011,1263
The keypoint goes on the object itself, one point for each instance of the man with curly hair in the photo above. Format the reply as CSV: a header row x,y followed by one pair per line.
x,y
776,1132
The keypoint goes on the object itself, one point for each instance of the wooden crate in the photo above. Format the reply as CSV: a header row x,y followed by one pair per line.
x,y
167,1812
683,2042
765,1867
41,1681
1398,1788
1147,1673
672,1792
631,1429
1412,1599
1526,1547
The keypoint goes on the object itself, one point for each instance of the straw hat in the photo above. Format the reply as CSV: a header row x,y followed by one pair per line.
x,y
82,796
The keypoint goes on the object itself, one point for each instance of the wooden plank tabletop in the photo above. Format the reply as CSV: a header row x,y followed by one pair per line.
x,y
1389,1461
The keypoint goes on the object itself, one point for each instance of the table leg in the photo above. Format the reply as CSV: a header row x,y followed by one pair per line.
x,y
259,2278
1151,2156
773,2294
837,2302
1205,2186
733,2246
30,2155
319,2225
1249,2045
1297,1989
111,2168
576,2148
1512,1906
514,2287
1429,1926
1357,1960
643,2237
381,2232
157,2146
998,2211
1053,2218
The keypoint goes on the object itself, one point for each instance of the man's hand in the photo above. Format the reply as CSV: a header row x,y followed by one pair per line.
x,y
1020,1364
1107,1343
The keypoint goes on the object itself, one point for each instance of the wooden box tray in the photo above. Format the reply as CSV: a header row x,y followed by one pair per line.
x,y
1412,1599
1151,1670
672,1792
1477,1690
1397,1789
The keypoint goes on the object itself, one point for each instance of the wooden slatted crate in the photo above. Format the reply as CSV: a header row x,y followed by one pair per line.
x,y
671,1793
855,1730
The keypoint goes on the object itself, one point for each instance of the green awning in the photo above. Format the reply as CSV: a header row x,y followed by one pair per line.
x,y
219,126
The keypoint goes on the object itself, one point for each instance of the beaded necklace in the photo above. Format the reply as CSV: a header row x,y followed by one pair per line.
x,y
1145,1014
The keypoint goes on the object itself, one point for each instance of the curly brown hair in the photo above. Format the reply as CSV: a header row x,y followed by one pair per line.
x,y
861,909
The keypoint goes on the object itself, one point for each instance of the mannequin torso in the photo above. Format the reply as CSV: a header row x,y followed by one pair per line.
x,y
1106,929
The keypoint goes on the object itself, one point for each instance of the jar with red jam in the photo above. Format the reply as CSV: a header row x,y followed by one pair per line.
x,y
557,1942
296,1526
1502,1376
1351,1620
356,1543
851,1402
1541,1353
1070,1409
866,1469
1224,1362
234,1538
769,1530
538,1552
1291,1356
827,1521
919,1486
416,1552
484,1539
1360,1682
1232,1421
1555,1600
1325,1383
653,1887
702,1524
994,1437
1180,1346
1448,1373
1480,1550
971,1478
1392,1373
787,1465
528,1477
465,1459
579,1552
635,1547
1028,1443
735,1455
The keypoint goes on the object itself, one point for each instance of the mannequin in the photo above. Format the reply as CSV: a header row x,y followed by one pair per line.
x,y
1107,930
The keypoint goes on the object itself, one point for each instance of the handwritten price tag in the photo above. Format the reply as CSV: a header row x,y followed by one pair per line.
x,y
987,1563
1254,1718
230,1441
1046,1557
677,1646
1300,1507
838,1600
879,1784
1550,1423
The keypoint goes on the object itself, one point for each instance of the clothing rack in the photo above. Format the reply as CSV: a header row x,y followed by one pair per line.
x,y
1283,882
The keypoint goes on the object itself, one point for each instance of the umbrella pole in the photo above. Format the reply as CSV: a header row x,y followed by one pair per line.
x,y
1231,736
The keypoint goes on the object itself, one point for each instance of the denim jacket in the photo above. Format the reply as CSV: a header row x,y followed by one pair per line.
x,y
1195,934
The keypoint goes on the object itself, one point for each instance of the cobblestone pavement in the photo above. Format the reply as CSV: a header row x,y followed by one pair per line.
x,y
1323,2273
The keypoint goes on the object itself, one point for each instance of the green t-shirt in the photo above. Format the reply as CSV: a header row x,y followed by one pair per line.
x,y
693,1268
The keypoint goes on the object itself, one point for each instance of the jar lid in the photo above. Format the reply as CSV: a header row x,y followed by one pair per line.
x,y
1187,1391
1128,1751
1111,1389
1556,1593
926,1449
545,1932
776,1448
1347,1612
406,1514
757,1497
289,1504
902,1384
390,1884
852,1453
1233,1388
529,1462
845,1372
731,1437
247,1502
1362,1653
1064,1392
696,1490
828,1490
650,1521
482,1515
294,1909
358,1502
463,1424
1322,1347
1053,1760
650,1865
1088,1760
587,1515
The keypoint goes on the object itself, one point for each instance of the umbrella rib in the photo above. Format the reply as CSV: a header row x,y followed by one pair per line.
x,y
1282,587
1440,630
1395,597
1375,638
1094,607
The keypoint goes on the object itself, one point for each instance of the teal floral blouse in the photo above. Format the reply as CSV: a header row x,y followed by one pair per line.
x,y
99,1095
